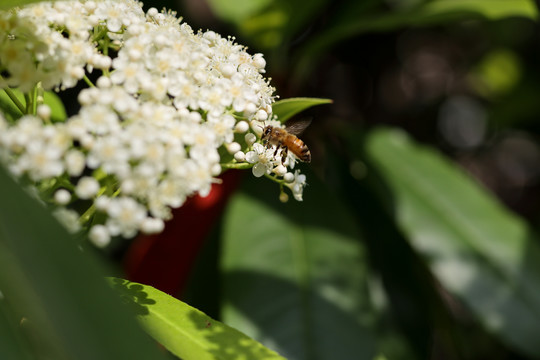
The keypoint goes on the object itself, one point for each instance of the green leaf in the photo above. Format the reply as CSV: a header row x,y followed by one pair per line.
x,y
11,343
58,112
7,4
237,10
295,274
479,251
186,331
287,108
54,295
489,9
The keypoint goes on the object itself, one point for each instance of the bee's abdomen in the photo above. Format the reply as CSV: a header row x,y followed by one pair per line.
x,y
305,154
301,151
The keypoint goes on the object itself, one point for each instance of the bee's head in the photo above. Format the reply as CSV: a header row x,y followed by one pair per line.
x,y
266,132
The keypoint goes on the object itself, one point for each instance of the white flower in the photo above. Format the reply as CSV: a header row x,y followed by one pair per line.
x,y
102,203
129,74
240,156
223,128
62,196
250,138
41,161
99,119
125,216
99,236
152,225
288,177
87,187
110,154
261,115
263,159
75,161
44,111
233,147
297,186
280,170
241,127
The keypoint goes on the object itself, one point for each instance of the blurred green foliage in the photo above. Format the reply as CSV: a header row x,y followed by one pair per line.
x,y
55,303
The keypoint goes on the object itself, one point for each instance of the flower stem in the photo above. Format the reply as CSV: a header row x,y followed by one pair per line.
x,y
29,102
236,165
275,179
87,215
88,82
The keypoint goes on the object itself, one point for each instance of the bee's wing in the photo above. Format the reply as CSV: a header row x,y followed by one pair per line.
x,y
298,126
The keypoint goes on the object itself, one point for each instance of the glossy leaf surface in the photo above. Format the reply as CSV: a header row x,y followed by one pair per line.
x,y
478,250
186,331
294,274
287,108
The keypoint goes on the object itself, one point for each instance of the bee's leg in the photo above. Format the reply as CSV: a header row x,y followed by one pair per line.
x,y
284,152
277,148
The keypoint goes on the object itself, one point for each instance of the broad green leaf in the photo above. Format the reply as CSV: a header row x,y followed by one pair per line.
x,y
58,112
294,275
7,4
489,9
435,12
479,251
186,331
54,295
12,345
8,107
287,108
237,10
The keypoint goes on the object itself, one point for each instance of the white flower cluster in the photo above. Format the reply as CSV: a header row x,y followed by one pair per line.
x,y
169,109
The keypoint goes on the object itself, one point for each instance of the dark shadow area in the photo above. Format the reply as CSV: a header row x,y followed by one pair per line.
x,y
301,324
133,295
319,207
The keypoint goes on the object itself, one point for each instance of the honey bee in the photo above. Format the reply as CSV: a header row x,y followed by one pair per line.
x,y
286,139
